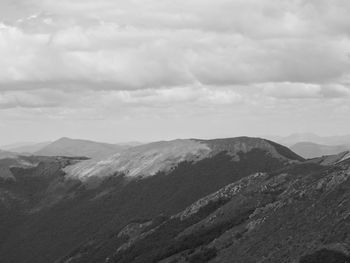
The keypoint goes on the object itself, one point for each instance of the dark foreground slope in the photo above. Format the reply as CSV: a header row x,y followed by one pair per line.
x,y
297,214
82,225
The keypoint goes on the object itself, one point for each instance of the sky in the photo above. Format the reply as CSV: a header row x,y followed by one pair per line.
x,y
145,70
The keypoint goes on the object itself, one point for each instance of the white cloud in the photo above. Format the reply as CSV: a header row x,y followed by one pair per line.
x,y
289,90
143,44
112,58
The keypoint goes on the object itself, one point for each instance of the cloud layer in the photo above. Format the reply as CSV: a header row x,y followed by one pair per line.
x,y
95,58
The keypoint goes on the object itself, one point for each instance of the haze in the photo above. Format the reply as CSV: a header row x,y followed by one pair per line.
x,y
147,70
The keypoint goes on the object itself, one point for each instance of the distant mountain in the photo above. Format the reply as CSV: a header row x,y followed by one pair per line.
x,y
26,148
41,201
7,154
312,150
310,137
76,147
131,143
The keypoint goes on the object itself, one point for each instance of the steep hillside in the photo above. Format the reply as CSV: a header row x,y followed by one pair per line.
x,y
27,186
312,150
75,147
85,218
299,214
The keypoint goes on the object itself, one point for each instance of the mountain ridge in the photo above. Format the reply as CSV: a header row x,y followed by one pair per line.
x,y
78,147
148,159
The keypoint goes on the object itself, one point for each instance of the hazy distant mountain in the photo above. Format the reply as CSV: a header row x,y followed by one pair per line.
x,y
76,147
131,143
8,147
25,147
7,154
310,137
295,138
312,150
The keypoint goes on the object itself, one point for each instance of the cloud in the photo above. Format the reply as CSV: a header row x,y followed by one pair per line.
x,y
289,90
152,44
200,95
32,99
221,62
336,91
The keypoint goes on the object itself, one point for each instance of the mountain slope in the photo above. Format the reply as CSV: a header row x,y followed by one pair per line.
x,y
290,216
75,147
312,150
148,159
85,219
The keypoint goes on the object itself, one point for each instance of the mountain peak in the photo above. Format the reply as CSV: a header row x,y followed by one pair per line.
x,y
245,144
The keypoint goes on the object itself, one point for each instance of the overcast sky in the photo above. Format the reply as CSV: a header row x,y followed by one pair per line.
x,y
122,70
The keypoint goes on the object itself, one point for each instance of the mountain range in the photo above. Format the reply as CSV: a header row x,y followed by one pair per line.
x,y
238,199
25,147
311,137
68,147
313,150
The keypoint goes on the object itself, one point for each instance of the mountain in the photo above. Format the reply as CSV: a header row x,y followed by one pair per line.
x,y
25,148
7,154
312,150
238,200
53,215
296,138
299,214
313,138
330,159
148,159
75,147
